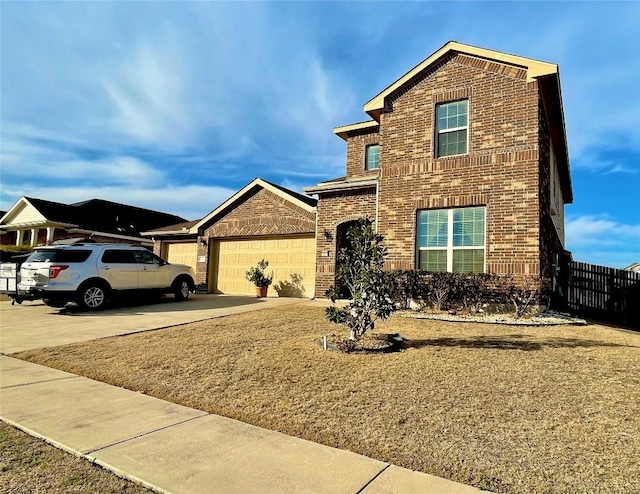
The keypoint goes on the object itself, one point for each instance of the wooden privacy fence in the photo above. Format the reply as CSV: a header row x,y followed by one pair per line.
x,y
602,293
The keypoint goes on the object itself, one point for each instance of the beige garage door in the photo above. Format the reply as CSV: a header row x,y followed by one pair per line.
x,y
286,256
182,253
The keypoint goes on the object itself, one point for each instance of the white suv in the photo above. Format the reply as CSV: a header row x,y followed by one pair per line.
x,y
90,274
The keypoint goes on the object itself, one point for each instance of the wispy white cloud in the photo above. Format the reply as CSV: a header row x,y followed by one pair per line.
x,y
190,101
603,240
598,160
599,230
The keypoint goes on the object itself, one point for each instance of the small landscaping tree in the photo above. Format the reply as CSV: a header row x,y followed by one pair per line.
x,y
360,271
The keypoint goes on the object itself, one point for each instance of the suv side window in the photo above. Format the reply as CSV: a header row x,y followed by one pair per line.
x,y
53,255
118,256
146,257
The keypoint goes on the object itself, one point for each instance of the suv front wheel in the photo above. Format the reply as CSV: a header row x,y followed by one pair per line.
x,y
92,295
181,288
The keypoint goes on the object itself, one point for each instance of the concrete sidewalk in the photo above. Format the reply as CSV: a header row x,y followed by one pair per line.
x,y
172,448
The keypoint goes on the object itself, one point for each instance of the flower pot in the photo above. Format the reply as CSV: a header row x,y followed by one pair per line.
x,y
261,291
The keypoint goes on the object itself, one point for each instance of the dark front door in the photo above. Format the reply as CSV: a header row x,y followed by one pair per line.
x,y
342,242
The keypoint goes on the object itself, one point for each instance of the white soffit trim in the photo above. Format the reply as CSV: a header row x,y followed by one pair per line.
x,y
344,185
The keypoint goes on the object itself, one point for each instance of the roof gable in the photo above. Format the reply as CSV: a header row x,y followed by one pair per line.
x,y
534,68
28,210
546,74
305,203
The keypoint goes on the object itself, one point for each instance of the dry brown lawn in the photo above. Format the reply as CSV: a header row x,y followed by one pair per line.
x,y
29,465
509,409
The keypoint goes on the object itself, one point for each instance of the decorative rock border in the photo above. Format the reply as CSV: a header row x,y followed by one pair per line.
x,y
549,318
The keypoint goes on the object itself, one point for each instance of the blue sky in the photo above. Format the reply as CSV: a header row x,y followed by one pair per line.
x,y
175,105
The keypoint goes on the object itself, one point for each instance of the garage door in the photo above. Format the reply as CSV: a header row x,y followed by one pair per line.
x,y
182,253
287,256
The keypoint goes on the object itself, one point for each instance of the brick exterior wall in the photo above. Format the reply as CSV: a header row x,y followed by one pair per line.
x,y
549,241
263,213
8,238
333,210
502,171
202,268
356,154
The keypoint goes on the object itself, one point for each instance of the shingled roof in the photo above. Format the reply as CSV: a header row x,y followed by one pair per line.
x,y
99,215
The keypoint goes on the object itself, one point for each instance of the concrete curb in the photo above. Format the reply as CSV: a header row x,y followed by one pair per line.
x,y
170,448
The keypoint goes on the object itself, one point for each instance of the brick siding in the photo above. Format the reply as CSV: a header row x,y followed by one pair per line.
x,y
356,153
502,170
263,213
549,241
333,210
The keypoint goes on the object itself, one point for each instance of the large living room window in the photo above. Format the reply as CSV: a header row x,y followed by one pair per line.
x,y
451,240
372,158
452,125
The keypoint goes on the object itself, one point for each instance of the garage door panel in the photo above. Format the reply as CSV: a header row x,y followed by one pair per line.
x,y
182,253
286,256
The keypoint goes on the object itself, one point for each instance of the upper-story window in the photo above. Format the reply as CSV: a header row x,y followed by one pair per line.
x,y
452,125
372,158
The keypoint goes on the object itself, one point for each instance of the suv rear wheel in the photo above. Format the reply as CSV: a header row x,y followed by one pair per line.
x,y
92,295
181,288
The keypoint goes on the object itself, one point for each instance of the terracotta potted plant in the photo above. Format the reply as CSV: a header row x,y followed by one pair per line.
x,y
261,280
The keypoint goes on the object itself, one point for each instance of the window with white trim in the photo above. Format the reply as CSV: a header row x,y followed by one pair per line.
x,y
372,158
451,240
452,125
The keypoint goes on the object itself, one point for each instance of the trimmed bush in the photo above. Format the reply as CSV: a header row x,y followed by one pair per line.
x,y
465,292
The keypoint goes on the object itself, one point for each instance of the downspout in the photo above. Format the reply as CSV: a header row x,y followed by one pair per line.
x,y
313,295
377,199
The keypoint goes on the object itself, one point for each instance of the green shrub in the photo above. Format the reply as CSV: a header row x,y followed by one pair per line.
x,y
360,271
465,291
257,274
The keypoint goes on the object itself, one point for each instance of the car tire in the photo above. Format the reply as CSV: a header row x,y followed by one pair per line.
x,y
181,288
93,295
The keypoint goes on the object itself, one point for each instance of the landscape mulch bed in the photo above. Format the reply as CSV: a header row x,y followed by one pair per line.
x,y
509,409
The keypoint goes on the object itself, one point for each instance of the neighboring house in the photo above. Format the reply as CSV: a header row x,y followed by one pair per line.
x,y
261,221
32,222
634,266
463,166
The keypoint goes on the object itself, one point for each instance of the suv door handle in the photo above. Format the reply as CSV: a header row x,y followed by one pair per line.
x,y
106,268
143,268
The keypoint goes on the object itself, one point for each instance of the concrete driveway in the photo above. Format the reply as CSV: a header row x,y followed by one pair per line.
x,y
34,325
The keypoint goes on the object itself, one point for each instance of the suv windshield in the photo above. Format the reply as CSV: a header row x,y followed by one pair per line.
x,y
55,255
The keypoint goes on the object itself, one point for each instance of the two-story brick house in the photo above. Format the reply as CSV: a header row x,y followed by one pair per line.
x,y
463,166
